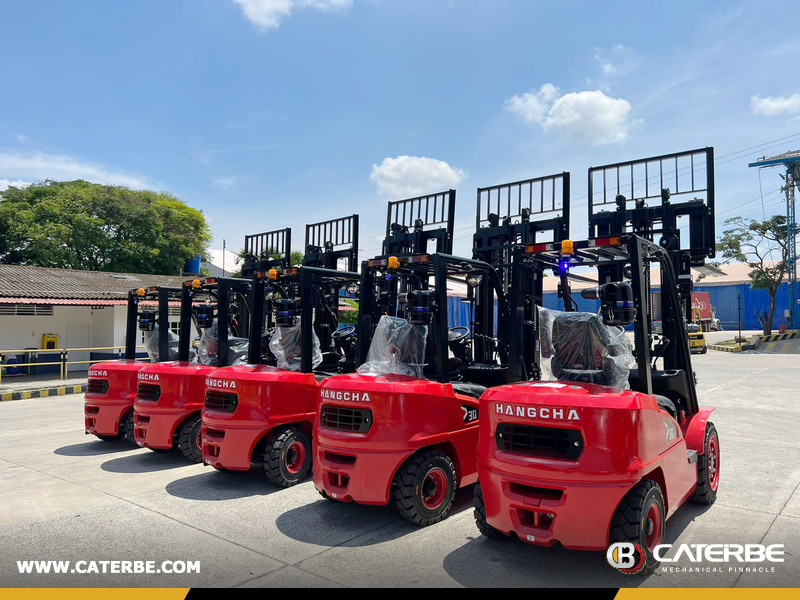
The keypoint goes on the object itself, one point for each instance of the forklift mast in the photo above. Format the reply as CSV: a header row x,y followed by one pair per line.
x,y
412,227
510,216
331,241
228,298
623,244
265,251
162,295
315,286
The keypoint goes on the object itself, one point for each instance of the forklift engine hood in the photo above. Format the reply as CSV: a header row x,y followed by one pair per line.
x,y
566,427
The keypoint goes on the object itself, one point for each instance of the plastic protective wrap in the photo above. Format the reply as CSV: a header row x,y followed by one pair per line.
x,y
151,345
397,348
577,346
286,345
209,342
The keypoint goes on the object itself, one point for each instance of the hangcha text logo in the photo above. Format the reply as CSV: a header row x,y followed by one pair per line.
x,y
345,396
221,383
537,412
148,377
98,373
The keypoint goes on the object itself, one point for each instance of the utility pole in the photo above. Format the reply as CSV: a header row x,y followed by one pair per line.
x,y
791,162
224,246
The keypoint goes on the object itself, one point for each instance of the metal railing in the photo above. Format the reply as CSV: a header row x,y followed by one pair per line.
x,y
63,361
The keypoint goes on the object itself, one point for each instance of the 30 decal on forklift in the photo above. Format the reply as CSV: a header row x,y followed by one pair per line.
x,y
537,412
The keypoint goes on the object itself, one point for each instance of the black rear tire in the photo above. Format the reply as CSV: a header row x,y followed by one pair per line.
x,y
287,460
632,521
480,516
708,469
425,487
189,439
126,427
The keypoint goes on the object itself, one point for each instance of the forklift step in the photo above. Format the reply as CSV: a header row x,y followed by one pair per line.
x,y
692,456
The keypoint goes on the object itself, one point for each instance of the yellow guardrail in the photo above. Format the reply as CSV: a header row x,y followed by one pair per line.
x,y
64,361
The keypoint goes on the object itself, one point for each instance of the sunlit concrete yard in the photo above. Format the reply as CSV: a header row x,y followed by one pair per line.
x,y
67,496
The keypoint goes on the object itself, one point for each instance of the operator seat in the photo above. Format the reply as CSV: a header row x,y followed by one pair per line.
x,y
582,349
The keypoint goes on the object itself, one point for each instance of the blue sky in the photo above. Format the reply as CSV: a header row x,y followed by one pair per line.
x,y
273,113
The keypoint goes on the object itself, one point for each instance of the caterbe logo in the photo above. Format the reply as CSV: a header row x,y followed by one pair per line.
x,y
148,377
537,412
98,373
345,396
221,383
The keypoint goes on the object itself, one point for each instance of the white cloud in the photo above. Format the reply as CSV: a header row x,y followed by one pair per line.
x,y
779,105
590,117
40,166
267,14
7,183
534,106
407,176
224,183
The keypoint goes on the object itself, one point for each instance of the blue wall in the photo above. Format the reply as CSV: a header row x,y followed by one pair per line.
x,y
723,298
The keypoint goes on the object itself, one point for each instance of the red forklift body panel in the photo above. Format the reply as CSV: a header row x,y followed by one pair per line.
x,y
265,397
175,391
556,458
404,415
110,393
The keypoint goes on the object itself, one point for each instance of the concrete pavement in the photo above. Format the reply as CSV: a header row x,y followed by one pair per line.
x,y
66,496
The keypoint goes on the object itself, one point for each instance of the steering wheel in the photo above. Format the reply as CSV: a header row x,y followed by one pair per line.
x,y
344,332
456,334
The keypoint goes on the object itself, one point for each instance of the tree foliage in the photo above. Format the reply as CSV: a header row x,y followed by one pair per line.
x,y
763,246
88,226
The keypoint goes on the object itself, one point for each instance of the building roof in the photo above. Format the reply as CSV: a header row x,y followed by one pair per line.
x,y
20,284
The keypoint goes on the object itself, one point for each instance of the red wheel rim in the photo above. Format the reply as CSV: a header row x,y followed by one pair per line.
x,y
434,489
653,526
295,457
199,441
712,462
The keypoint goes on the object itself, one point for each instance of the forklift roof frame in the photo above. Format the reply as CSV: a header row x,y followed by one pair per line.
x,y
215,287
326,243
162,295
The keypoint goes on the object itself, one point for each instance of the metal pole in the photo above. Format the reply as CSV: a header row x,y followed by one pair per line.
x,y
739,339
224,246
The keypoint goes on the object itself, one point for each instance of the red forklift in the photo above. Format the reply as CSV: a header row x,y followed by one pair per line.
x,y
263,412
111,387
170,395
592,452
415,396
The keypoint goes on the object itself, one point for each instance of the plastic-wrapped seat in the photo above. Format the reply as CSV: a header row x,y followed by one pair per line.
x,y
397,348
579,347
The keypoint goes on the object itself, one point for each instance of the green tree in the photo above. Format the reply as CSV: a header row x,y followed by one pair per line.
x,y
295,258
763,246
88,226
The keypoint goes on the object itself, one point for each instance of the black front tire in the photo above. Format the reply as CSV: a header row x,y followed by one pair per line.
x,y
708,469
480,516
287,460
189,439
425,487
632,521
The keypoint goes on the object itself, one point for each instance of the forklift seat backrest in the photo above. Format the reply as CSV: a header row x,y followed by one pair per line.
x,y
582,348
397,347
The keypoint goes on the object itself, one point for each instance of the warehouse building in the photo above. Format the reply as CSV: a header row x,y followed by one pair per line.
x,y
43,308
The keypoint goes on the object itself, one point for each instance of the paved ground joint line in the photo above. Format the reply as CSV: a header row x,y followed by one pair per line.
x,y
89,487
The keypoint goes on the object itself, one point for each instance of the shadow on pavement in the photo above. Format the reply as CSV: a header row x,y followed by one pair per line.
x,y
512,563
95,447
326,522
213,485
146,462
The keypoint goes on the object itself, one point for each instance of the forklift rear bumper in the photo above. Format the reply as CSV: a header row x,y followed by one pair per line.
x,y
155,427
102,416
229,447
545,512
364,477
